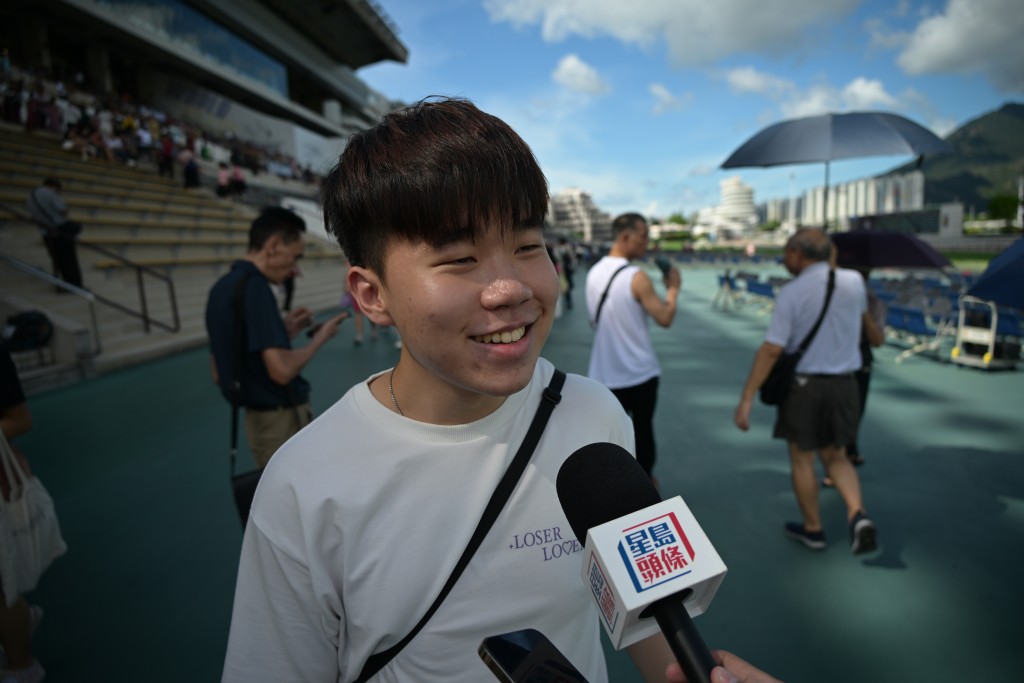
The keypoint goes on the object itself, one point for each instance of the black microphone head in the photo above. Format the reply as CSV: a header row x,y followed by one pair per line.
x,y
601,482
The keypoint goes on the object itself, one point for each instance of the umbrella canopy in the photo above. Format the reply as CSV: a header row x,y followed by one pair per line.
x,y
1003,280
835,136
872,249
827,137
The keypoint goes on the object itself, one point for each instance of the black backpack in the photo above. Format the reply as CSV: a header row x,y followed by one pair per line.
x,y
28,330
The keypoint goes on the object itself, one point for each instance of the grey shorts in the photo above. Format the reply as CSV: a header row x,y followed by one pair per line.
x,y
819,411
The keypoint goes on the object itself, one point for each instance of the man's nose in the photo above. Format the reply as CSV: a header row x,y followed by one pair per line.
x,y
505,287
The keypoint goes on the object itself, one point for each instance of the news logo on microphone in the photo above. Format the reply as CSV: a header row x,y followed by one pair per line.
x,y
650,554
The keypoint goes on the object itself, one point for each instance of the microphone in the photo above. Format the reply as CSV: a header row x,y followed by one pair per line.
x,y
643,557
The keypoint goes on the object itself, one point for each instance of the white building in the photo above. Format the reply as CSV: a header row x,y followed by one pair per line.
x,y
734,217
573,213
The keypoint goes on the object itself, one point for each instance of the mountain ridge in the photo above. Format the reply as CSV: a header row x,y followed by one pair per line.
x,y
987,158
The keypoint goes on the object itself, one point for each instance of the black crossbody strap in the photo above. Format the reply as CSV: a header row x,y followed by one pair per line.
x,y
552,395
821,316
604,295
238,348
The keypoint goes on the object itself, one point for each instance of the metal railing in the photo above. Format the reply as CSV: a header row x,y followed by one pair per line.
x,y
140,270
89,297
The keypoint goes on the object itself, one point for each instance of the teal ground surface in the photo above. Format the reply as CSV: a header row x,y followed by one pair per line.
x,y
137,464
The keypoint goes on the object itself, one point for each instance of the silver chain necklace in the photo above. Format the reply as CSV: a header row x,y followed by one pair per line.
x,y
391,390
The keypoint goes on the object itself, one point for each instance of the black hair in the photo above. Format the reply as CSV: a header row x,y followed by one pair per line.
x,y
438,172
275,220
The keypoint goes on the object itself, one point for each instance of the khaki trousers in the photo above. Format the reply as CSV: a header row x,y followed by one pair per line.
x,y
267,430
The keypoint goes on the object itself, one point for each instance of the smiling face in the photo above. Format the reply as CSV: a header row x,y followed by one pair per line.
x,y
473,316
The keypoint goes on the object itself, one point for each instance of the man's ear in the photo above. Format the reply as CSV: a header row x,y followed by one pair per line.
x,y
365,287
272,245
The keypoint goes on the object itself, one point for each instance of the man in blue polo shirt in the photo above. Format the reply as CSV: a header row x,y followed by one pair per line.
x,y
821,409
275,396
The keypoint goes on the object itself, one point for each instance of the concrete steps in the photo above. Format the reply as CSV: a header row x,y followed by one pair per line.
x,y
191,237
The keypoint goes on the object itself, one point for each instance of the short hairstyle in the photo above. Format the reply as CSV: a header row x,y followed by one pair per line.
x,y
626,221
438,172
50,181
813,243
275,220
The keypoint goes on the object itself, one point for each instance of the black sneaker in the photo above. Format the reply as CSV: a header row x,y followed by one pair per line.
x,y
815,540
862,533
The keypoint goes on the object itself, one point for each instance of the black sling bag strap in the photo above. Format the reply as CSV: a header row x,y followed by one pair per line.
x,y
552,395
604,295
236,363
821,316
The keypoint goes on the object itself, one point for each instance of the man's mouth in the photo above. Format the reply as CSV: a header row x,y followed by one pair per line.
x,y
502,337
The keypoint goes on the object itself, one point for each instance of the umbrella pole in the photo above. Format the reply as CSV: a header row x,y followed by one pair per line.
x,y
824,209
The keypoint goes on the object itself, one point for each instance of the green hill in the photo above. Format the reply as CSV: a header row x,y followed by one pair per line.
x,y
987,158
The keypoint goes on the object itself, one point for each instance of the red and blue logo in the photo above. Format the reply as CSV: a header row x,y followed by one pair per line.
x,y
656,551
602,594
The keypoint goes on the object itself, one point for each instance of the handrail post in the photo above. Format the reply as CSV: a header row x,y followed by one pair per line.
x,y
142,299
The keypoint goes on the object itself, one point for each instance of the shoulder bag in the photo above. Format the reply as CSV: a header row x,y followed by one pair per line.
x,y
780,379
551,397
30,536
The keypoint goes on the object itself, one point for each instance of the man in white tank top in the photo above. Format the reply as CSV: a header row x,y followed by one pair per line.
x,y
620,298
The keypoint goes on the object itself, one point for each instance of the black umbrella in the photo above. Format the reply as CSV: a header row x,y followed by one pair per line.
x,y
827,137
1003,280
873,249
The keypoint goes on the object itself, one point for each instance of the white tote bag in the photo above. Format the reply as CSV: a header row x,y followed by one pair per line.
x,y
29,533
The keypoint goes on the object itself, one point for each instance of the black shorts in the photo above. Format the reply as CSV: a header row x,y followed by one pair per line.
x,y
819,411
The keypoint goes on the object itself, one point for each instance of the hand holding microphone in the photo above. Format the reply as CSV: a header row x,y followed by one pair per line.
x,y
643,557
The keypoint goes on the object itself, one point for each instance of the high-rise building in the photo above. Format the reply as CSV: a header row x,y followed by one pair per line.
x,y
573,213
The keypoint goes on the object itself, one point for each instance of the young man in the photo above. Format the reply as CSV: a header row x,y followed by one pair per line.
x,y
274,394
820,411
622,357
361,517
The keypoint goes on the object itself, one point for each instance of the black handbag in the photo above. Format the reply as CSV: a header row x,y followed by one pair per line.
x,y
776,386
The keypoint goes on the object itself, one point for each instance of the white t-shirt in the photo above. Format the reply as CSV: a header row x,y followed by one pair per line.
x,y
361,516
622,355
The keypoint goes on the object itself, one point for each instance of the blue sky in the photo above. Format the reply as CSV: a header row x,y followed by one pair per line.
x,y
639,101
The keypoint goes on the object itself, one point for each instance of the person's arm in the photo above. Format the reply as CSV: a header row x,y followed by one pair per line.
x,y
764,361
284,365
213,370
297,320
16,420
874,334
656,663
663,311
277,631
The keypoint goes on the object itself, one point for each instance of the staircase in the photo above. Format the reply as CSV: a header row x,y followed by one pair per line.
x,y
190,237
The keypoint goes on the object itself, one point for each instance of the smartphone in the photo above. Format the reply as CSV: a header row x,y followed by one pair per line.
x,y
664,265
527,656
312,330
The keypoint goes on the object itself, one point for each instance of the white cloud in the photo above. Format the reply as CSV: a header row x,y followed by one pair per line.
x,y
749,80
883,37
972,36
665,101
576,75
694,31
865,93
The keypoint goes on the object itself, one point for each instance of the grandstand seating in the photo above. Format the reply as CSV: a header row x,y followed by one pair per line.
x,y
191,235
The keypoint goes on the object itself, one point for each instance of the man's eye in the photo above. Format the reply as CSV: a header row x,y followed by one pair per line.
x,y
462,261
530,247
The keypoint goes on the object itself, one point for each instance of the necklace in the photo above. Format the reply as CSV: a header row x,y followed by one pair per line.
x,y
391,390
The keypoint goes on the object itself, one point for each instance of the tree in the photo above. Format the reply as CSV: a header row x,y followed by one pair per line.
x,y
1002,206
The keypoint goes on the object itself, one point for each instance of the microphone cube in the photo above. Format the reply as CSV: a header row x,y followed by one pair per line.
x,y
653,553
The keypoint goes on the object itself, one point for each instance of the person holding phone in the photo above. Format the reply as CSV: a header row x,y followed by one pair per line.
x,y
621,298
